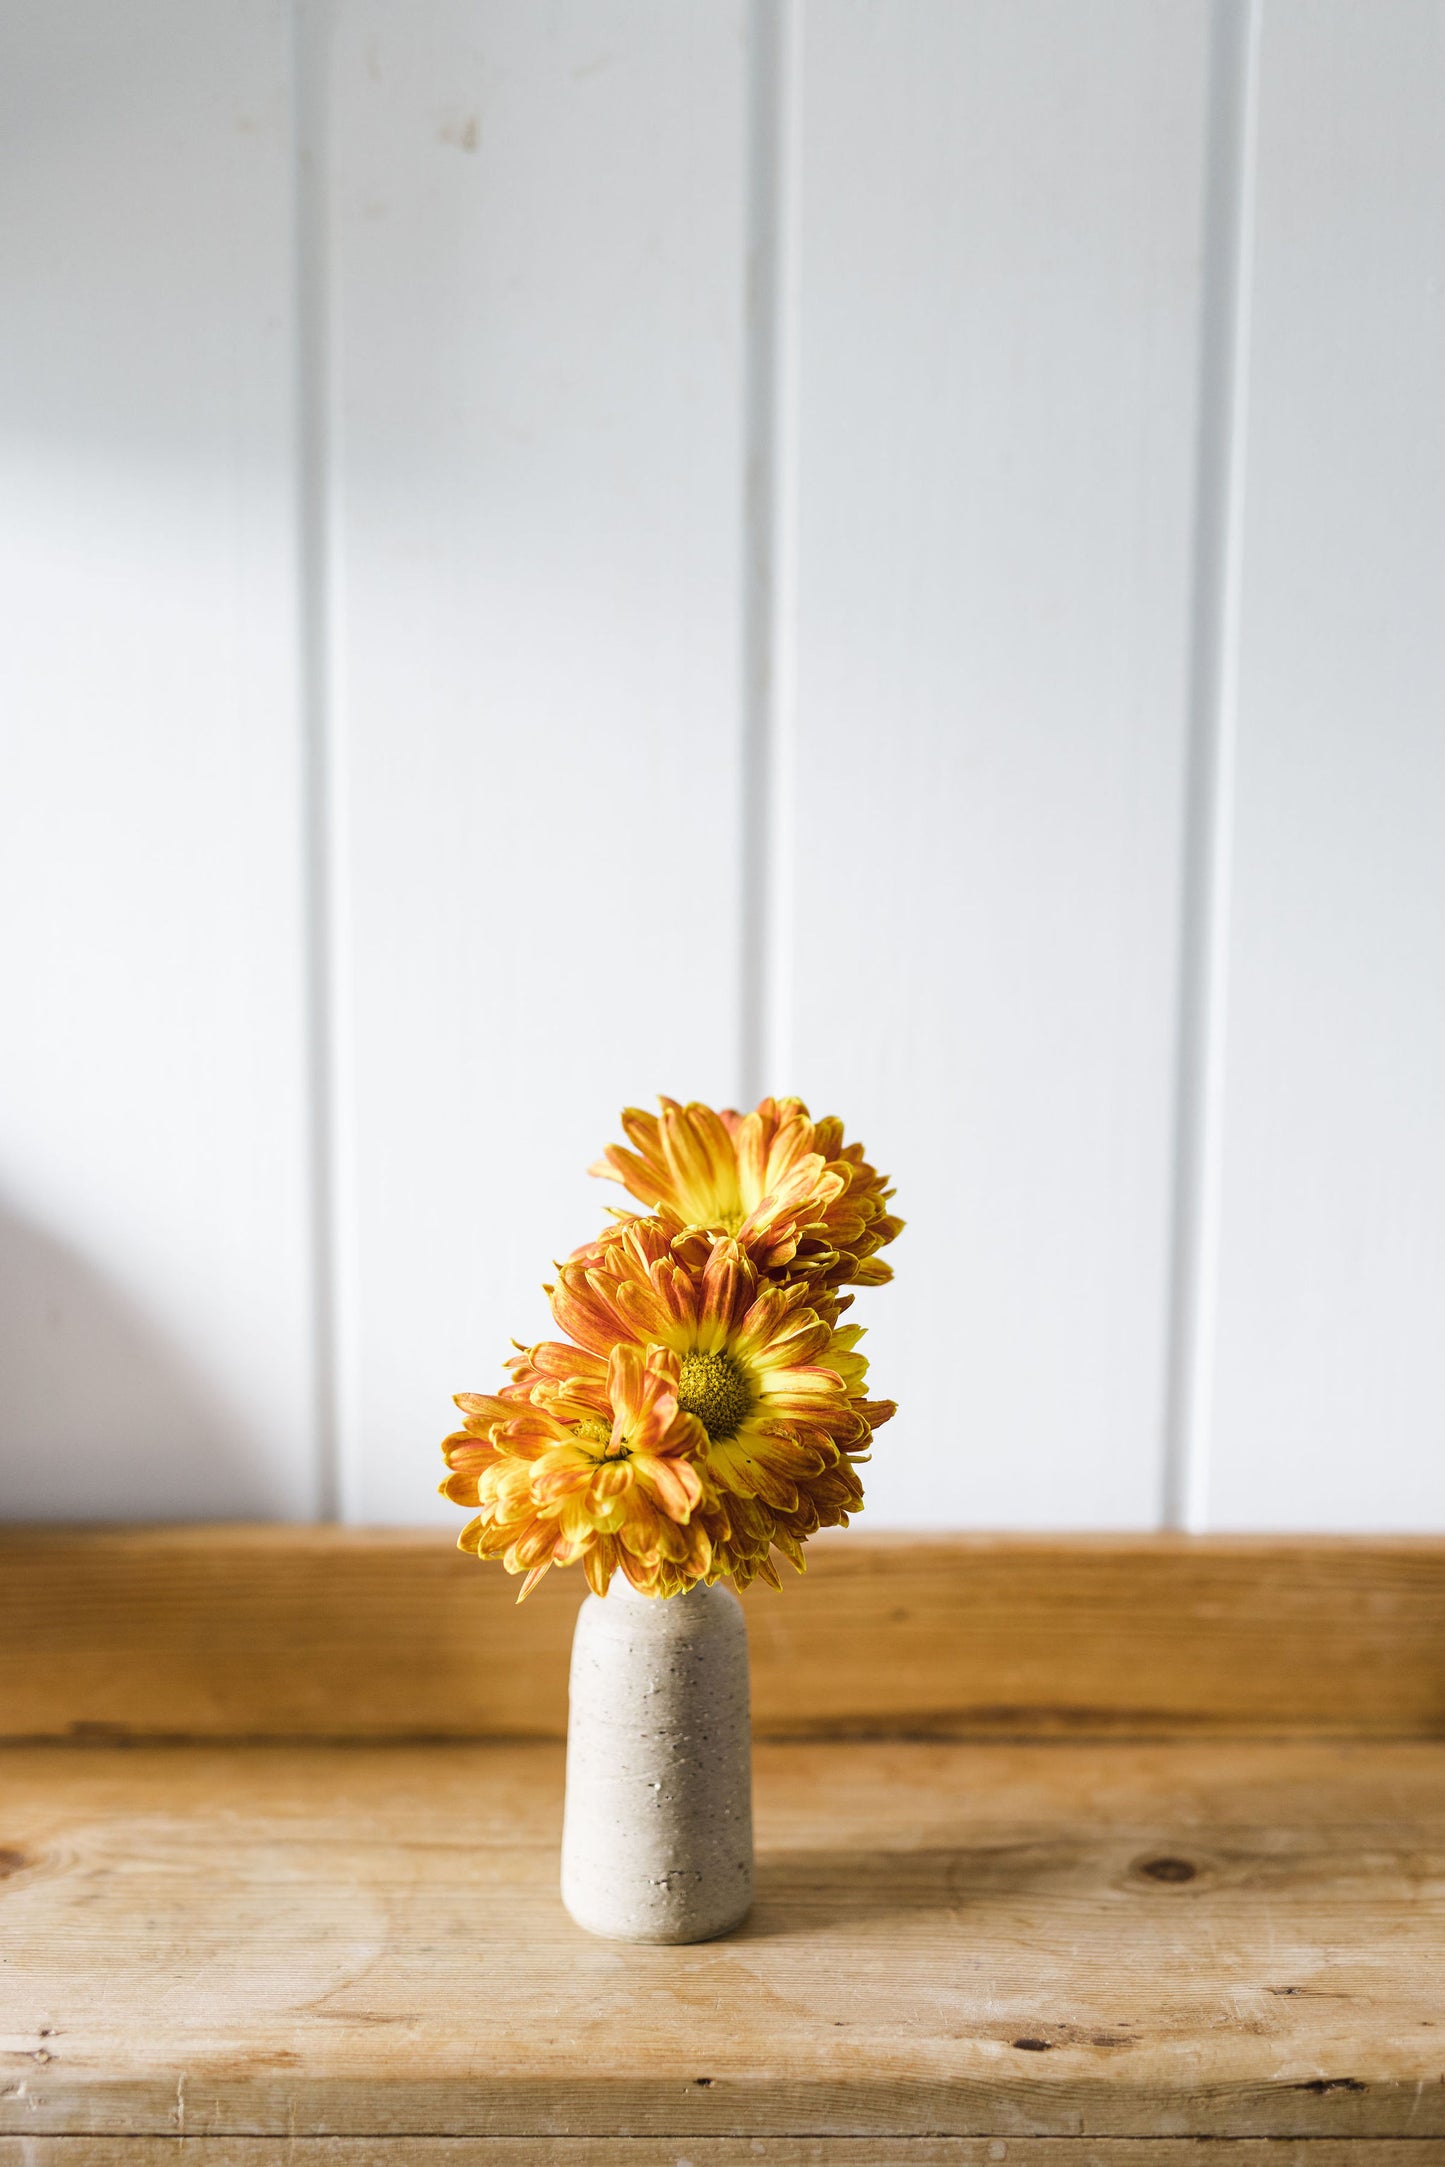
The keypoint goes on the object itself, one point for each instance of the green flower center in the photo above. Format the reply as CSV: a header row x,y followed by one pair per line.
x,y
713,1388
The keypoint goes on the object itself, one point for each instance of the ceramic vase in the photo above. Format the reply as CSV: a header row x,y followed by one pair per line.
x,y
657,1839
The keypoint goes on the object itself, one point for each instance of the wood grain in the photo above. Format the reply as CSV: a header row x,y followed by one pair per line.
x,y
295,1632
998,1941
97,2151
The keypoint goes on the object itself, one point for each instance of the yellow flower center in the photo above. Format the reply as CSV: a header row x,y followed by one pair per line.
x,y
600,1433
713,1388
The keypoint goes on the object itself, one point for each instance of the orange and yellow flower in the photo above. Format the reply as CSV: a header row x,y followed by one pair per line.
x,y
707,1411
798,1201
601,1465
777,1389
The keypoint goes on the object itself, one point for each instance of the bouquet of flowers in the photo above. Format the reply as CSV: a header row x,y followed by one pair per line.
x,y
706,1410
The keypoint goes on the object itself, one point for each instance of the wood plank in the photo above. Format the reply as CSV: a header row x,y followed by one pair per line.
x,y
988,1940
296,1632
998,217
537,256
155,1326
98,2151
1332,1270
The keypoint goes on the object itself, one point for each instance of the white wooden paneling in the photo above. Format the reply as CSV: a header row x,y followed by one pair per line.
x,y
998,230
537,230
809,382
153,1187
1330,1393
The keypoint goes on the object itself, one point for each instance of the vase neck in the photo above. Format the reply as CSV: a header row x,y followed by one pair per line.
x,y
623,1590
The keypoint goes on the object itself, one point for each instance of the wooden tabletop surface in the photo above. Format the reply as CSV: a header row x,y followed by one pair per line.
x,y
959,1953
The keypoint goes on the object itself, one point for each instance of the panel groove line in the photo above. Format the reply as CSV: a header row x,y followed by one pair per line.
x,y
1213,690
770,589
310,50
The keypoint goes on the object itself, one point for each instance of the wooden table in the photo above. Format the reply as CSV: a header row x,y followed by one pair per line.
x,y
1105,1948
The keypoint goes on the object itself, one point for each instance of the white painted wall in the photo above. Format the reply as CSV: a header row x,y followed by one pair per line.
x,y
157,1326
891,551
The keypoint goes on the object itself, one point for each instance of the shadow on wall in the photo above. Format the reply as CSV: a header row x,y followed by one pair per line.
x,y
100,1416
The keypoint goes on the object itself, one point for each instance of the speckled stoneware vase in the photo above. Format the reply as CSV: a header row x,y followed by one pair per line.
x,y
657,1842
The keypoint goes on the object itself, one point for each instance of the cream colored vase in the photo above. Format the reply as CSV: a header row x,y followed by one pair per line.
x,y
657,1842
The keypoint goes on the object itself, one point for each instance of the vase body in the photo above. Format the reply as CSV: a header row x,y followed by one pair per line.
x,y
657,1839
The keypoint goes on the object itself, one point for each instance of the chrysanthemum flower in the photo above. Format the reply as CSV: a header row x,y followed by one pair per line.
x,y
799,1202
777,1388
600,1466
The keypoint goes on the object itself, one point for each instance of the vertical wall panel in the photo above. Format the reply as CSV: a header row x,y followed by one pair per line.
x,y
1330,1398
538,219
154,1304
999,222
683,383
